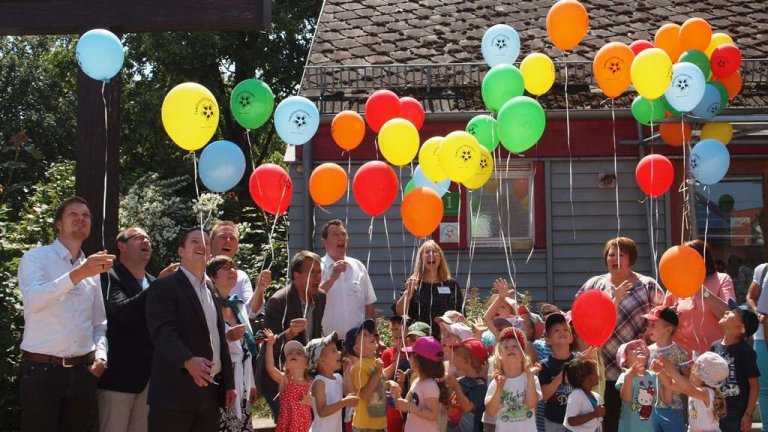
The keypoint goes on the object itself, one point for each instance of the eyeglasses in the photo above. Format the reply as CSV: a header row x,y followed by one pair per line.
x,y
141,237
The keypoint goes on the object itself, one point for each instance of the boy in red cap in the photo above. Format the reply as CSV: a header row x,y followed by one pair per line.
x,y
470,358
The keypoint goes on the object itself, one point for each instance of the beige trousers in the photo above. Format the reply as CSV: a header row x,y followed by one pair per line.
x,y
122,412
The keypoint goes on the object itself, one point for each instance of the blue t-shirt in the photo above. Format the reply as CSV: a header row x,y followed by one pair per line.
x,y
474,389
554,409
742,365
636,415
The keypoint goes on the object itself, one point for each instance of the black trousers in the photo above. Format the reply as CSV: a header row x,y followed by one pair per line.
x,y
55,398
612,407
204,417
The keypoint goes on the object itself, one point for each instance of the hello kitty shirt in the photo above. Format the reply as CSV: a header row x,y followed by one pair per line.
x,y
636,416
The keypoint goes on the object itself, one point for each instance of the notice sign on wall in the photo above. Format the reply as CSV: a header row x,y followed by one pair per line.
x,y
449,232
451,204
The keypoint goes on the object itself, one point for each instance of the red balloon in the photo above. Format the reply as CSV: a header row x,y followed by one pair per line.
x,y
654,175
640,45
594,316
271,188
411,110
725,60
375,187
381,106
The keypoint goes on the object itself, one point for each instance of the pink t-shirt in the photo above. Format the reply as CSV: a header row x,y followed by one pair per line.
x,y
422,390
699,326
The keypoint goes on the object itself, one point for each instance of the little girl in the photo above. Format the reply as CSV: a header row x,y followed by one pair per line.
x,y
637,386
327,389
295,412
584,412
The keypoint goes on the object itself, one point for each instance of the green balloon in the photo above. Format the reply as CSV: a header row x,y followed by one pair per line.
x,y
698,58
723,96
521,123
484,128
648,111
252,103
726,203
669,107
409,187
501,83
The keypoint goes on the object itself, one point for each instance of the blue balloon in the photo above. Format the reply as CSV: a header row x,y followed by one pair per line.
x,y
687,87
421,180
296,120
710,104
500,45
709,161
100,54
222,165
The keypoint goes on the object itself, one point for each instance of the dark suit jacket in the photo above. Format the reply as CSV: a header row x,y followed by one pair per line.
x,y
130,348
281,308
179,332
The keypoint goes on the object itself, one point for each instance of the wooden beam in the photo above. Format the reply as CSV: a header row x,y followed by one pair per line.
x,y
39,17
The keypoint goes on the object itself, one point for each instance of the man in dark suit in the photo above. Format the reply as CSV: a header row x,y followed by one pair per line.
x,y
192,373
122,393
291,316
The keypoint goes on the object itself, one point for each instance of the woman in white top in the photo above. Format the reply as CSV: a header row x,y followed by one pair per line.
x,y
757,298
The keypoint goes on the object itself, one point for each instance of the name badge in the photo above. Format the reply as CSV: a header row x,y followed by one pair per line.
x,y
442,289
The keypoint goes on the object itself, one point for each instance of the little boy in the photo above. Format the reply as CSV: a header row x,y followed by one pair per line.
x,y
470,358
553,388
367,378
740,388
662,323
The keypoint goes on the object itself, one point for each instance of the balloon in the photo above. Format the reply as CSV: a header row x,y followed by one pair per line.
x,y
699,59
671,111
348,129
682,271
647,111
501,84
459,155
296,120
675,134
222,165
709,104
190,115
399,141
717,40
409,186
732,83
421,180
723,96
654,175
100,54
725,60
521,123
327,184
687,87
668,39
722,132
375,187
640,45
709,161
726,203
567,24
252,103
651,73
695,34
271,188
421,211
412,110
381,106
538,73
611,68
485,129
429,160
594,316
483,173
500,45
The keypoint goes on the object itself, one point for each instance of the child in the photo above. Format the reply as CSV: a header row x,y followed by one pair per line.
x,y
470,357
394,361
637,386
741,386
327,389
367,378
662,323
295,412
424,401
554,388
584,412
515,390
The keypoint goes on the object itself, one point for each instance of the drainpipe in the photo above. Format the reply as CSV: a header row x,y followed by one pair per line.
x,y
309,229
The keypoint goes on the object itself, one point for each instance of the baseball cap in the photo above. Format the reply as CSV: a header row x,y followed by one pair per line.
x,y
461,330
748,317
665,313
292,345
512,332
427,347
711,368
552,319
419,329
351,338
450,317
316,346
621,354
475,348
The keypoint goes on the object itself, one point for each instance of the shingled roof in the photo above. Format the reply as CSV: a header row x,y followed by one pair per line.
x,y
430,49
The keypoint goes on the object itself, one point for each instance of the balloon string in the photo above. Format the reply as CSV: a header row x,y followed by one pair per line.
x,y
570,155
370,243
106,169
349,186
250,148
199,207
389,254
509,218
616,169
306,298
684,190
458,249
473,243
532,188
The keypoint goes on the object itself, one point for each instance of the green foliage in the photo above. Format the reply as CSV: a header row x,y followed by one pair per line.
x,y
10,337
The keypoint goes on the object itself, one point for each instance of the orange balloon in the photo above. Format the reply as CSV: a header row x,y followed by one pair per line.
x,y
668,39
732,83
682,271
422,211
674,134
695,33
567,24
327,184
348,129
611,68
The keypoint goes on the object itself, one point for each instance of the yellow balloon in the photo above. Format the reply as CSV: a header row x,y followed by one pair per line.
x,y
722,132
715,41
651,73
429,162
484,171
190,115
538,73
398,141
459,155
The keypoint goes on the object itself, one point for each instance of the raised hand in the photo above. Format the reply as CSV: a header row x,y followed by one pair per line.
x,y
236,333
270,337
502,286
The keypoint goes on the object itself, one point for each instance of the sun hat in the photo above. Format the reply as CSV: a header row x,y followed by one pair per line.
x,y
512,332
316,346
427,347
293,345
624,349
475,348
419,329
450,317
711,368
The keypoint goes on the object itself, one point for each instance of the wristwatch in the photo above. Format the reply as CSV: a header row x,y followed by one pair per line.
x,y
706,293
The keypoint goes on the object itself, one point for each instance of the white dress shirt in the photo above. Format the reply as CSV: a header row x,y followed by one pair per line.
x,y
60,318
346,300
209,309
244,290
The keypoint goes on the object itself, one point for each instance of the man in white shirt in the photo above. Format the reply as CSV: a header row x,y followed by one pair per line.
x,y
350,297
64,347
